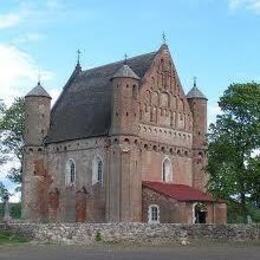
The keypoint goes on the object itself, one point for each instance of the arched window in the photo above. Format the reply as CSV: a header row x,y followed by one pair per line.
x,y
100,172
166,170
154,214
70,172
97,171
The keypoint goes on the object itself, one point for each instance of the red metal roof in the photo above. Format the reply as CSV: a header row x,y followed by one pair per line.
x,y
178,192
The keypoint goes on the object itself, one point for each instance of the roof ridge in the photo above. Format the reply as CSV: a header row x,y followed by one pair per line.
x,y
120,61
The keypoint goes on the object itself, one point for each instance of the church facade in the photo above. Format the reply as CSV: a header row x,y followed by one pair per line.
x,y
123,143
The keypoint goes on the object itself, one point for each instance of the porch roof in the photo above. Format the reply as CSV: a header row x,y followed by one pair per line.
x,y
179,192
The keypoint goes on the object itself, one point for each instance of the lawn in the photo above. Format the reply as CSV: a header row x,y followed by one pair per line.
x,y
9,238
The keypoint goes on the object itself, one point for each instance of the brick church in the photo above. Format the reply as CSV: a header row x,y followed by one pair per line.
x,y
123,143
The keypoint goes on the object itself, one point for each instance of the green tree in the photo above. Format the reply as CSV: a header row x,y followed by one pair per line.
x,y
11,135
254,184
233,139
3,190
2,154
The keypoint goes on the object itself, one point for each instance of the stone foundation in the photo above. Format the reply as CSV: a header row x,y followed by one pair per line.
x,y
131,232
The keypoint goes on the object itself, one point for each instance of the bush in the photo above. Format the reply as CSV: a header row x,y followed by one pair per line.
x,y
98,236
15,210
10,238
235,213
255,214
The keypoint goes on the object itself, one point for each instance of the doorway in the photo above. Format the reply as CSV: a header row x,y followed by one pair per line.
x,y
200,213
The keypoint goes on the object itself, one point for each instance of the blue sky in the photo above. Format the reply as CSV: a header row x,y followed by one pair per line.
x,y
216,40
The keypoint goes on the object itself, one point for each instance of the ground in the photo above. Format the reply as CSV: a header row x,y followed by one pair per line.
x,y
197,250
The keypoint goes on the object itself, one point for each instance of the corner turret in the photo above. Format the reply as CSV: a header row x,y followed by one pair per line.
x,y
198,105
124,153
34,181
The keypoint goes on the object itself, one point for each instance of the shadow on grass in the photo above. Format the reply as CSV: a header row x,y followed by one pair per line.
x,y
9,238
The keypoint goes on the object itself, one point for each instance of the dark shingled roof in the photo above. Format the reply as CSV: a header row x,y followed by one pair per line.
x,y
84,107
38,91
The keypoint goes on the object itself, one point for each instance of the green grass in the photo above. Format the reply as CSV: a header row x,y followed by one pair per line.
x,y
8,238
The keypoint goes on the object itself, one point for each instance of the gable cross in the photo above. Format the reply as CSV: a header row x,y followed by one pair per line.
x,y
78,53
164,38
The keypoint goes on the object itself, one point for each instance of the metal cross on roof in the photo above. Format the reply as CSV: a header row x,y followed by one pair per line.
x,y
79,53
164,38
39,77
195,81
126,57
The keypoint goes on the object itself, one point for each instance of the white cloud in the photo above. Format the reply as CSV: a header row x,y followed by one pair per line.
x,y
55,4
29,37
31,12
14,163
9,20
54,93
16,196
19,72
213,111
252,5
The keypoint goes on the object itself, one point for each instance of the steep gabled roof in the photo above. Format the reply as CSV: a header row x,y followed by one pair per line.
x,y
84,107
178,192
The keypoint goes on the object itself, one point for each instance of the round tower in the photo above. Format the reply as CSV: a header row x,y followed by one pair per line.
x,y
124,118
124,185
37,119
35,178
198,105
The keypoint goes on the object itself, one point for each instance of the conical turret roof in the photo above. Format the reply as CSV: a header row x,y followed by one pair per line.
x,y
125,72
195,92
38,91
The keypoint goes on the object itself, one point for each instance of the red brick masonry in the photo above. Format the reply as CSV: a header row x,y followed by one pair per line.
x,y
177,202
